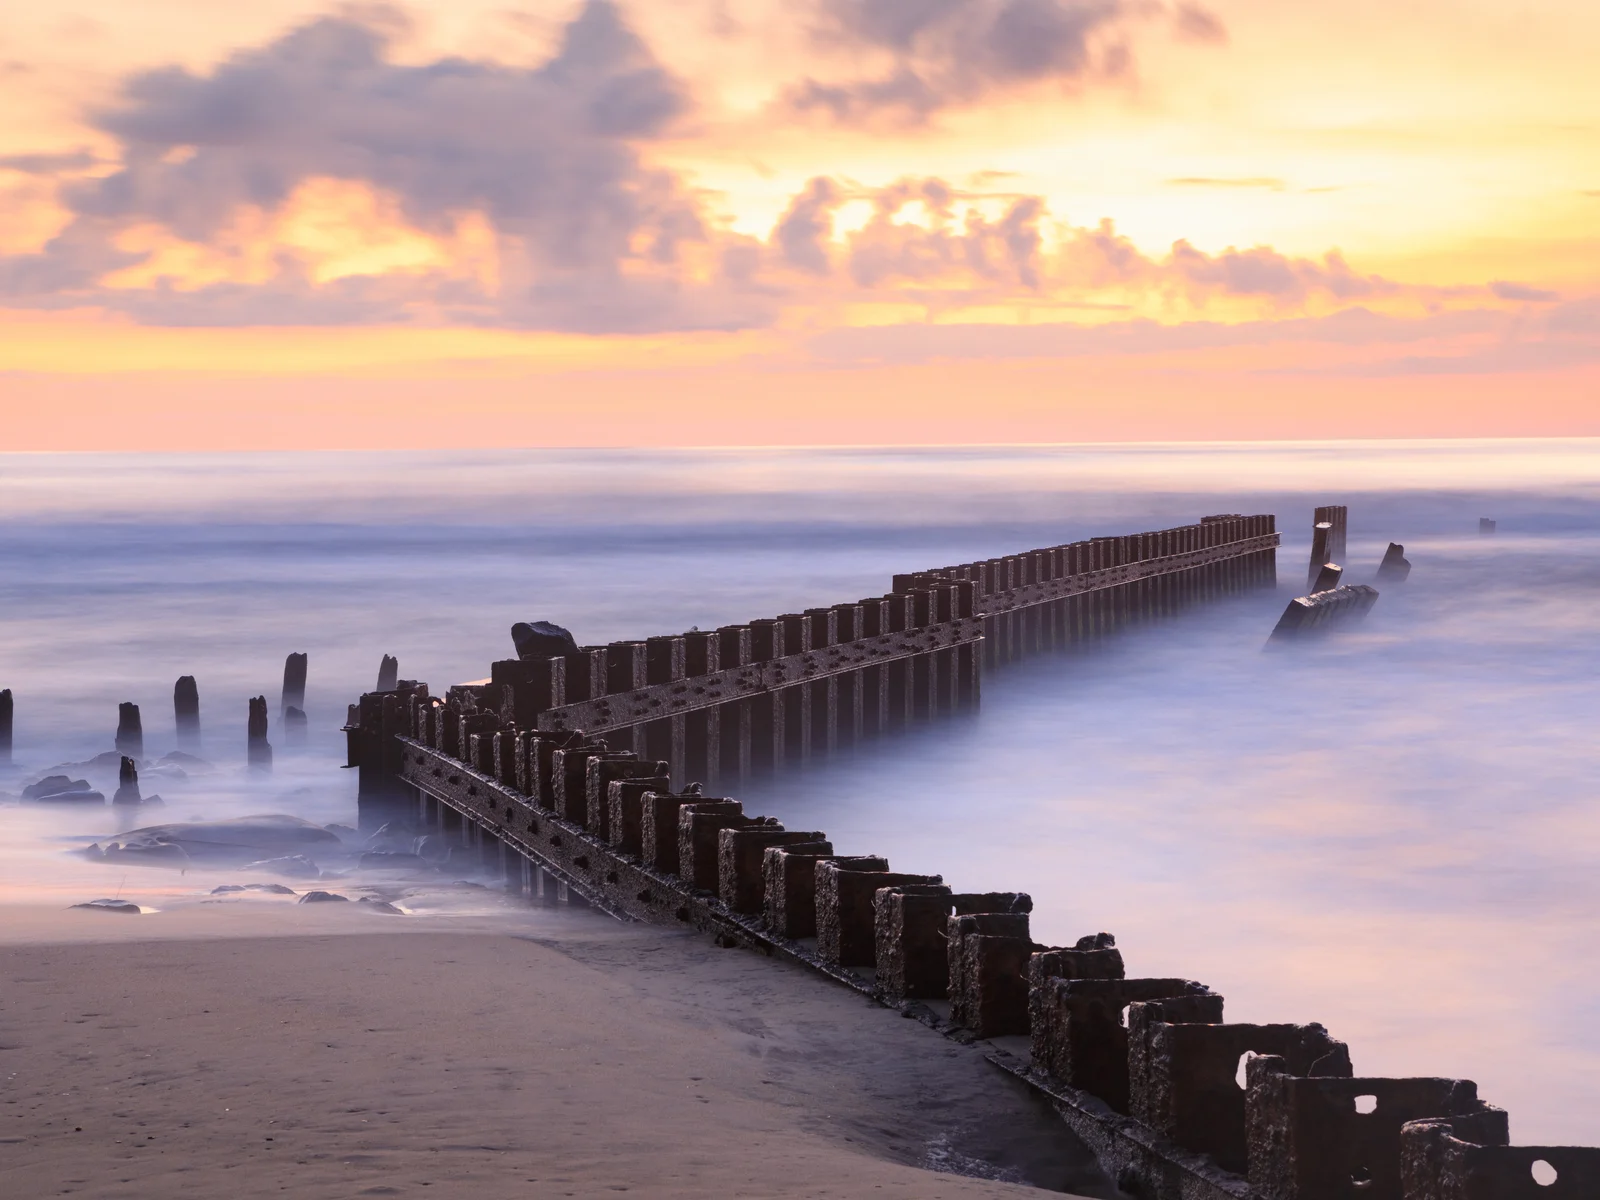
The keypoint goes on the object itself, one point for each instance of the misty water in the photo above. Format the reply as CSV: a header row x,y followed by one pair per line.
x,y
1393,832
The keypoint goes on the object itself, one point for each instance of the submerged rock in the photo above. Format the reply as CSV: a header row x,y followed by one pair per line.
x,y
117,906
54,785
292,866
192,763
383,906
321,897
241,840
272,889
73,796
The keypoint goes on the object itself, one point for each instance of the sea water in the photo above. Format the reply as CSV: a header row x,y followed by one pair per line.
x,y
1393,832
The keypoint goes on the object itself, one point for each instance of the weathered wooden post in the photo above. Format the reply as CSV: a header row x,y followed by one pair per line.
x,y
388,674
5,726
257,750
1486,527
130,733
1394,568
186,711
294,684
294,726
127,783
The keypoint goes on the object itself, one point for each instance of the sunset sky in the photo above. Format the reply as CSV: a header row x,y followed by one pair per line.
x,y
691,222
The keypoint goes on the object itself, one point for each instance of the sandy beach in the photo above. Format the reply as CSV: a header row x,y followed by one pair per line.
x,y
255,1047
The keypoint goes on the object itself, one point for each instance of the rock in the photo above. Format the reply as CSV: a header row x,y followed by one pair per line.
x,y
272,889
320,897
342,831
53,785
156,855
542,639
241,840
189,762
376,905
291,866
116,906
73,796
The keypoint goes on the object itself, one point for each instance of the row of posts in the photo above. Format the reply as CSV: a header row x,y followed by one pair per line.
x,y
1278,1104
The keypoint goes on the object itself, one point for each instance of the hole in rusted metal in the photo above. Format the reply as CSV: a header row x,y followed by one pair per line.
x,y
1543,1173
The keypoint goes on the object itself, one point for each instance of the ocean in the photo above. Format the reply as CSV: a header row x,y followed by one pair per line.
x,y
1393,832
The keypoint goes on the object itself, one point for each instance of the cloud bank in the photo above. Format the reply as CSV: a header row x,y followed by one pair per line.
x,y
315,180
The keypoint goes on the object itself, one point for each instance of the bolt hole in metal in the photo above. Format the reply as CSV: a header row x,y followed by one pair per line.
x,y
1366,1104
1361,1179
1543,1173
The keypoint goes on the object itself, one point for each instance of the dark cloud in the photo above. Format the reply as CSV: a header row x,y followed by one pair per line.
x,y
947,52
958,252
1506,290
1197,24
548,155
1262,271
802,234
48,164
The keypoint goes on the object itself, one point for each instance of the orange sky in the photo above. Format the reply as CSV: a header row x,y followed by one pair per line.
x,y
734,221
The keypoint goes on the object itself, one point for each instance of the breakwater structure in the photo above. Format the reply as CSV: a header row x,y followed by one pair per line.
x,y
583,776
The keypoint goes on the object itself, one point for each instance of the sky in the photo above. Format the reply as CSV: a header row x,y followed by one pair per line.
x,y
733,222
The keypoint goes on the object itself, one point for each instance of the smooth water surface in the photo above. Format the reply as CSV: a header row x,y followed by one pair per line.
x,y
1393,833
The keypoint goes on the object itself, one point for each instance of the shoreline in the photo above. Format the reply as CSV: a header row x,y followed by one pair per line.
x,y
538,1052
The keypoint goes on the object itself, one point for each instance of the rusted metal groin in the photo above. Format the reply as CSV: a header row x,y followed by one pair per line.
x,y
567,775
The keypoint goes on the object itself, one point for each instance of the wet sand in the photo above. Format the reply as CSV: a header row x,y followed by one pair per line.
x,y
259,1048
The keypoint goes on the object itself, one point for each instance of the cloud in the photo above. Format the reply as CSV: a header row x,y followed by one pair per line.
x,y
1196,24
939,53
929,342
1251,181
1507,290
48,164
954,253
587,234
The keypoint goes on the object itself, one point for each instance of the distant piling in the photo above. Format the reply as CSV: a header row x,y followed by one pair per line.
x,y
1486,527
130,732
294,684
258,750
186,708
5,726
1394,568
294,726
388,674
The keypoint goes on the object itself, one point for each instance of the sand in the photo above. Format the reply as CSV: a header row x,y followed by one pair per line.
x,y
260,1048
